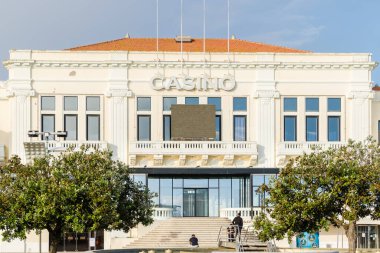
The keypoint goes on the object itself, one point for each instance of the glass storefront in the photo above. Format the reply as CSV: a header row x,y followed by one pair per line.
x,y
205,196
73,241
368,236
202,197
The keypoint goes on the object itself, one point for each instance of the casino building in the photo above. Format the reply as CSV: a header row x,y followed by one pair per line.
x,y
203,123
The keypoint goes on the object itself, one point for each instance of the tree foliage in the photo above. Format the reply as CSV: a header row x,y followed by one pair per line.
x,y
75,191
334,187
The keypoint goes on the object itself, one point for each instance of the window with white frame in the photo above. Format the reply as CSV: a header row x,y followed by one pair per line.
x,y
143,118
334,109
80,116
290,108
240,118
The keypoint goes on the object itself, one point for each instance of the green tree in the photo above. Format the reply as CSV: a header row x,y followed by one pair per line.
x,y
75,191
335,187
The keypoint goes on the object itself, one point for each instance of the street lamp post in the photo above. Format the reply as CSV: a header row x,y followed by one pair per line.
x,y
46,135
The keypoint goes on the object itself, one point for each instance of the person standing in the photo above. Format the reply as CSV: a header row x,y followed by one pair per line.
x,y
238,221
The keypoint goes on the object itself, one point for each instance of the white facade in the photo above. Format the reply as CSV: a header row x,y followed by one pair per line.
x,y
118,78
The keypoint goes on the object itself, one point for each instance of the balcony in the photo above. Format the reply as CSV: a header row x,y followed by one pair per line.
x,y
39,148
159,149
298,148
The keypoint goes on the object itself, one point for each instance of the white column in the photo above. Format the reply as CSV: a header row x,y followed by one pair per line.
x,y
20,101
265,127
360,125
118,122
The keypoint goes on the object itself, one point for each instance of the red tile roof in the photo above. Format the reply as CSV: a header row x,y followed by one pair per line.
x,y
170,45
376,88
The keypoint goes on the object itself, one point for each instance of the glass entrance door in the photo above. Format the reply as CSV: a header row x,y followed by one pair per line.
x,y
195,202
367,237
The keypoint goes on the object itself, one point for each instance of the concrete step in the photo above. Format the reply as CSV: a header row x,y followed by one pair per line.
x,y
175,233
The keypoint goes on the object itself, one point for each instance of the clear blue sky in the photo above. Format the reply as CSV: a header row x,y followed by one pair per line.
x,y
315,25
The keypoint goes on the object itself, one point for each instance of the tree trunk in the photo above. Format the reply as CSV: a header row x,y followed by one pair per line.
x,y
53,243
351,236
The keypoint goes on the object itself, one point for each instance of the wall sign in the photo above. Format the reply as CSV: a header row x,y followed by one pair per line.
x,y
193,83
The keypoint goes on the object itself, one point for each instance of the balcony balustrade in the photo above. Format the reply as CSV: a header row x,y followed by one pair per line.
x,y
40,148
298,148
247,214
193,148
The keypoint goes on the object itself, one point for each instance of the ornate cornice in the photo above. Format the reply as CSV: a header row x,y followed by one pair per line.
x,y
196,65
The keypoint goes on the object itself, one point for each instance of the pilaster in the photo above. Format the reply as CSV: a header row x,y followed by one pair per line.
x,y
265,127
20,100
360,114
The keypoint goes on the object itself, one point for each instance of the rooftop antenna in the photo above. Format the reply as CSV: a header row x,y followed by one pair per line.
x,y
157,2
181,36
228,35
204,34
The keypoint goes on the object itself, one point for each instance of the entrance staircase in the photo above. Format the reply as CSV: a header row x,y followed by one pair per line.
x,y
175,233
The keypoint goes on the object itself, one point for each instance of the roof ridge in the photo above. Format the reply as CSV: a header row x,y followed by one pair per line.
x,y
272,45
98,43
137,44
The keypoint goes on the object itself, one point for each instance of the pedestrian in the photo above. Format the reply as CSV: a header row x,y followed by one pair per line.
x,y
238,221
193,241
231,232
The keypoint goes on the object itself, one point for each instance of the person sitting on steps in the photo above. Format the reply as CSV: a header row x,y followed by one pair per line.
x,y
193,241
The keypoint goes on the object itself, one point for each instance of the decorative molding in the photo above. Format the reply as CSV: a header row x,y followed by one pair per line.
x,y
119,93
191,64
361,95
281,160
20,92
266,94
182,160
253,160
158,160
204,160
132,160
228,160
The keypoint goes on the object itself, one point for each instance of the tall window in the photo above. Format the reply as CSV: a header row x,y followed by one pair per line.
x,y
167,104
333,128
312,104
143,127
48,115
240,128
48,124
191,100
167,127
311,128
290,128
71,126
70,106
218,117
93,127
218,127
93,118
143,120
